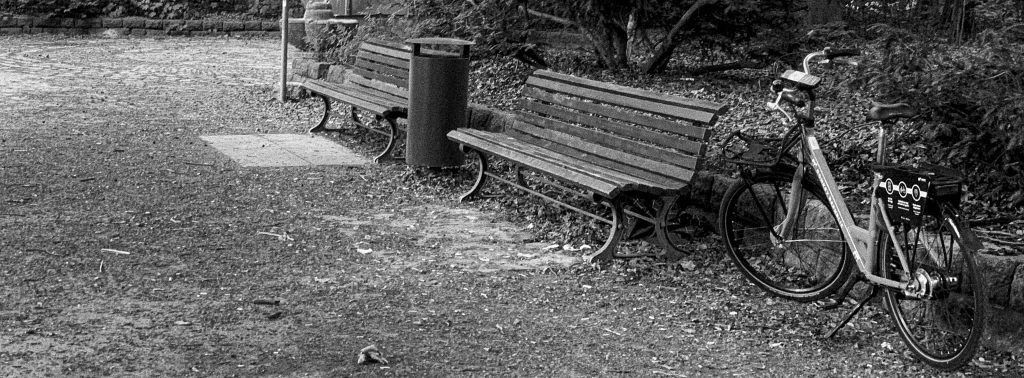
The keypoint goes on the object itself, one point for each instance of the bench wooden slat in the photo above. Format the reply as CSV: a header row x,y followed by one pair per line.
x,y
673,126
365,56
393,93
374,95
639,104
387,49
605,125
380,71
576,161
636,180
689,103
338,93
632,164
511,149
398,82
616,145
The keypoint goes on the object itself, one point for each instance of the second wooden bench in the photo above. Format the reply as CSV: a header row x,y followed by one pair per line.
x,y
377,83
633,150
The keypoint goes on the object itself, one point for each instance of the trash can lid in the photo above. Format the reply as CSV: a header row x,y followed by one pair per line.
x,y
439,41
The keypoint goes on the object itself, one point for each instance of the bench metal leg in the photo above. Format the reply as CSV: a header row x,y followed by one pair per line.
x,y
674,226
392,141
481,174
322,125
607,251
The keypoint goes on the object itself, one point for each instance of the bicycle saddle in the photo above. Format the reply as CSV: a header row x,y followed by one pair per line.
x,y
883,112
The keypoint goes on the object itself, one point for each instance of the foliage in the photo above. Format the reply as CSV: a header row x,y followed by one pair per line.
x,y
496,26
971,98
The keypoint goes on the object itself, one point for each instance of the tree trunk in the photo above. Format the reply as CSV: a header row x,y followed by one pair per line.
x,y
659,61
823,11
618,39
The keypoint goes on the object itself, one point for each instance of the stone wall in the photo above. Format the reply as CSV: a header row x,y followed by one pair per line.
x,y
134,26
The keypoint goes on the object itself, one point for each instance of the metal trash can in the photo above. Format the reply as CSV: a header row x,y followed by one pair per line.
x,y
438,92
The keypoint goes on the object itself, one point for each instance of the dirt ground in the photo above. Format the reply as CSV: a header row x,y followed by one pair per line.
x,y
130,248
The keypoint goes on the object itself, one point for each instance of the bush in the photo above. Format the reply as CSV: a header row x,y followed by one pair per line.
x,y
971,97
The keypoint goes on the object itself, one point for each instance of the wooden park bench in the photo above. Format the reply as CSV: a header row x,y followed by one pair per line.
x,y
633,150
377,83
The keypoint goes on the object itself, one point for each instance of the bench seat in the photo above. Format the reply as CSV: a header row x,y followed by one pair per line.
x,y
377,83
636,151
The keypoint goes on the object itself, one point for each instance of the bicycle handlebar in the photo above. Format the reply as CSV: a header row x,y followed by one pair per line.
x,y
829,54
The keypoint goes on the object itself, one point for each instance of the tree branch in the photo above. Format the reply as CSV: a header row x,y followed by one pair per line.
x,y
669,44
549,17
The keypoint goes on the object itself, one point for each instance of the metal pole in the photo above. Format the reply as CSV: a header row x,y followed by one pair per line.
x,y
284,50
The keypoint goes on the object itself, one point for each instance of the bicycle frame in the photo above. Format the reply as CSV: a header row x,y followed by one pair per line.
x,y
863,242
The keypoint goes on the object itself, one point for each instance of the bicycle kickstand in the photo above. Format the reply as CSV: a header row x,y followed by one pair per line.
x,y
860,306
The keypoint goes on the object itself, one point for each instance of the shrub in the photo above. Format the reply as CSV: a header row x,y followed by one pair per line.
x,y
971,97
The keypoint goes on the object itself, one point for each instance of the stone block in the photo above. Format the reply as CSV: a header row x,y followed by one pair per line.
x,y
12,30
112,23
15,21
193,25
213,25
721,184
68,22
702,190
233,26
137,32
89,23
335,73
171,24
134,23
27,21
1016,301
49,22
478,116
35,30
270,26
203,33
309,68
156,33
153,24
998,272
253,25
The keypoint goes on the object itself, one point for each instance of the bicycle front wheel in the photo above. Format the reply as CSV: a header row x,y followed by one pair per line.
x,y
809,262
942,315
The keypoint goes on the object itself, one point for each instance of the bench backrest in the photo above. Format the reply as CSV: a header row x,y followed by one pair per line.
x,y
644,133
380,61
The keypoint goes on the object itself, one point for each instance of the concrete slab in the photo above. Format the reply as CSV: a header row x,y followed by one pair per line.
x,y
283,150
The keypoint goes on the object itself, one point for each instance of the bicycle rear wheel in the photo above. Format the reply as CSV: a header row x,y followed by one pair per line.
x,y
811,264
942,323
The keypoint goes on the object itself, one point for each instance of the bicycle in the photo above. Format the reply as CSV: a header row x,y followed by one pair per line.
x,y
788,229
